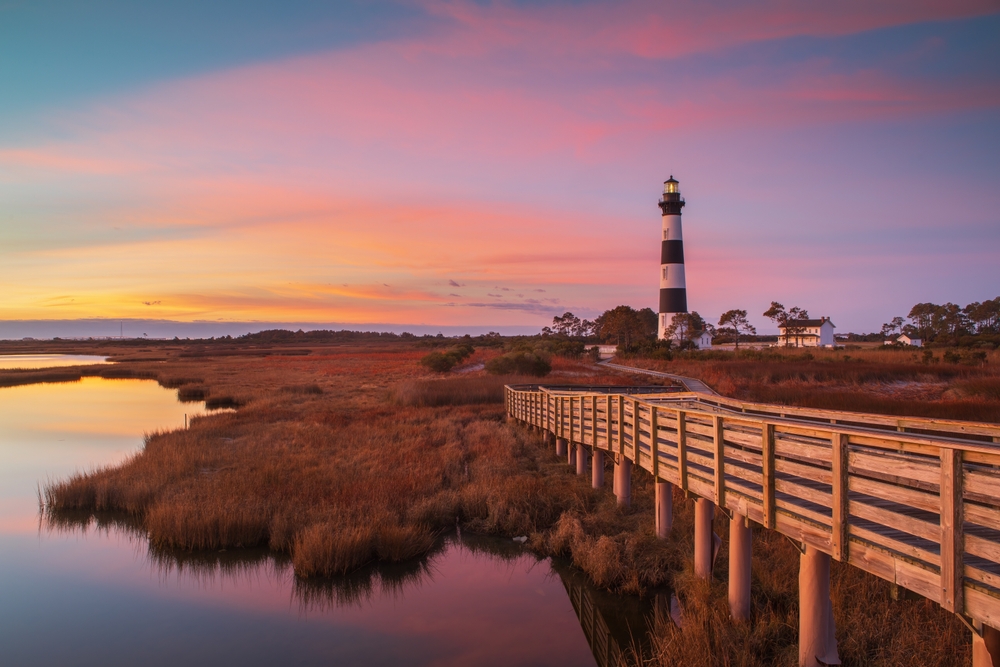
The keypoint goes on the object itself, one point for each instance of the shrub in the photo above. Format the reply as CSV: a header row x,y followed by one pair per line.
x,y
662,350
439,362
442,362
520,363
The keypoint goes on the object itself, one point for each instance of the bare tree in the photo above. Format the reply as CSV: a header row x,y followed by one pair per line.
x,y
736,320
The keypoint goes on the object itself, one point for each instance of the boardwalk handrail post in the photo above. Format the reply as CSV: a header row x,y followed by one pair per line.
x,y
654,443
607,432
767,452
682,451
623,466
720,461
593,421
952,566
621,425
840,537
572,423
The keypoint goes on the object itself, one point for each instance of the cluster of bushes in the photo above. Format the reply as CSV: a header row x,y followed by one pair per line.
x,y
521,362
982,341
649,348
967,357
442,362
572,349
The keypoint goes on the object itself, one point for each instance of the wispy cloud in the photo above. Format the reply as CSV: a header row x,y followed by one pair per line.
x,y
515,145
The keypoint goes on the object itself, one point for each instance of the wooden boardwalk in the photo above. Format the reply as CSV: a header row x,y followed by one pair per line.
x,y
913,501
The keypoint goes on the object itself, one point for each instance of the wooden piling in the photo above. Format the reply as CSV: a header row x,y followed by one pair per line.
x,y
739,567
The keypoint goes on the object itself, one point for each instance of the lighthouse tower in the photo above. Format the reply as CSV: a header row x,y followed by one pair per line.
x,y
673,290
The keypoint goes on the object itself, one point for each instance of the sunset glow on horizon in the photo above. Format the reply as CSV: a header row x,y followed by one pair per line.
x,y
480,164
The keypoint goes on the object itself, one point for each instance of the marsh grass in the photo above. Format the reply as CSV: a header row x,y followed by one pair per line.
x,y
452,391
316,464
339,480
883,381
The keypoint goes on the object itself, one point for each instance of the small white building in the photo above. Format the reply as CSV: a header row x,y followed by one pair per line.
x,y
702,340
807,333
903,339
603,351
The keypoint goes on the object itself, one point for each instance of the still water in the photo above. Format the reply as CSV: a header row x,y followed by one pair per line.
x,y
8,361
90,591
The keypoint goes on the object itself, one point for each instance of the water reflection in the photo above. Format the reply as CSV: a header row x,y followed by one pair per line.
x,y
613,626
26,361
50,431
84,588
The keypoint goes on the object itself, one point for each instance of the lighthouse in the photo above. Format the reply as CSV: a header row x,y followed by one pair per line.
x,y
673,290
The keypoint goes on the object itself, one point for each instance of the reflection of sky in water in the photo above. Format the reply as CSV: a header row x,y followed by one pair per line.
x,y
48,360
49,431
99,597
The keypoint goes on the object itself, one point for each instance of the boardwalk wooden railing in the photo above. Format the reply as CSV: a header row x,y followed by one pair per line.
x,y
913,501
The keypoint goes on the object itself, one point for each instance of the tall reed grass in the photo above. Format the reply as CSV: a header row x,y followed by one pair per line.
x,y
452,391
340,478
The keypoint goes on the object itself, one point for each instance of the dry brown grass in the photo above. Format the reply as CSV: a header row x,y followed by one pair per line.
x,y
318,465
891,382
452,391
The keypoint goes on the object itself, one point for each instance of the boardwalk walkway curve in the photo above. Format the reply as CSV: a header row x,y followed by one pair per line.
x,y
913,501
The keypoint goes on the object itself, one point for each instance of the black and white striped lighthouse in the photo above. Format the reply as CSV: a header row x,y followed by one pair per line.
x,y
673,290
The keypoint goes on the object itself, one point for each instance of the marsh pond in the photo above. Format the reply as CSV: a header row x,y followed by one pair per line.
x,y
89,590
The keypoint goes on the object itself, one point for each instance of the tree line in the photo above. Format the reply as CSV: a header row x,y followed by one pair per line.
x,y
629,328
947,323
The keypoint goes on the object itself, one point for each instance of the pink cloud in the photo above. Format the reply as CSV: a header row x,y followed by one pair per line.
x,y
651,29
379,164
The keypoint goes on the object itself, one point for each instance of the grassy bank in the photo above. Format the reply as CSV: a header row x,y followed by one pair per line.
x,y
353,454
339,458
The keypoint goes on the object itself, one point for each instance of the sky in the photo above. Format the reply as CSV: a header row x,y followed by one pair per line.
x,y
488,165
